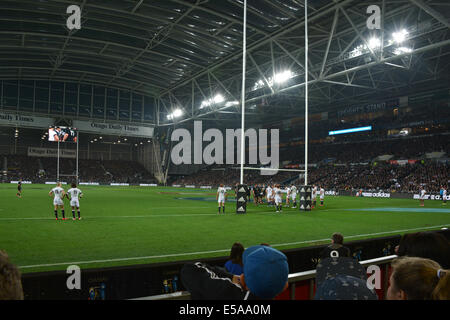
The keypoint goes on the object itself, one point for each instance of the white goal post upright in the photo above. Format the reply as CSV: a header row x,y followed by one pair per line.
x,y
76,172
306,92
244,64
57,165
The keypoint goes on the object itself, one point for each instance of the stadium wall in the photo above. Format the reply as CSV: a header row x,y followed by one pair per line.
x,y
154,279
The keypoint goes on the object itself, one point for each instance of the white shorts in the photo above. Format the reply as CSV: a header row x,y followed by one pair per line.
x,y
321,197
220,200
75,203
58,202
293,196
278,200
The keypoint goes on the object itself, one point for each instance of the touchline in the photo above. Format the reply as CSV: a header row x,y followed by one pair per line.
x,y
213,153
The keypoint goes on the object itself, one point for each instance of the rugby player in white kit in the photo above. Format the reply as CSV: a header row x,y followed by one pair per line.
x,y
444,196
322,196
314,196
288,196
75,194
294,196
221,197
422,194
269,195
278,198
58,194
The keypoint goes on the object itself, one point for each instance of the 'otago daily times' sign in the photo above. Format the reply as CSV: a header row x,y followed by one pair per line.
x,y
114,129
19,120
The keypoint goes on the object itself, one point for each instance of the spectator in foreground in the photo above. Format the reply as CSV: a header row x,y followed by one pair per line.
x,y
430,245
265,276
10,282
342,278
234,265
336,248
414,278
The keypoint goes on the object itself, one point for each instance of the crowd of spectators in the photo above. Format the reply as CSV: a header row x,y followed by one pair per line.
x,y
382,177
39,170
349,166
366,150
419,272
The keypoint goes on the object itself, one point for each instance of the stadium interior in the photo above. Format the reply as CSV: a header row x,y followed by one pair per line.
x,y
137,70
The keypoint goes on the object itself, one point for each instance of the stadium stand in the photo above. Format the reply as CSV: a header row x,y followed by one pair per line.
x,y
353,166
39,170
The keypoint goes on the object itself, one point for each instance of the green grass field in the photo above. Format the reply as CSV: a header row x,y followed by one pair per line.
x,y
141,225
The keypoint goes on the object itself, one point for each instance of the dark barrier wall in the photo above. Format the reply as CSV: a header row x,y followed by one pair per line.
x,y
146,280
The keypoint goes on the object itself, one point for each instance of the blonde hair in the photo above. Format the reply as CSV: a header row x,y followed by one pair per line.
x,y
10,280
421,279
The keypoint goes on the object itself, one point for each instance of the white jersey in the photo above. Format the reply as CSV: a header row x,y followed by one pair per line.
x,y
75,193
221,194
322,193
422,194
293,192
277,192
269,192
57,196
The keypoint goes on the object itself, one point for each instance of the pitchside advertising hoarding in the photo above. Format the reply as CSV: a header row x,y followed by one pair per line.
x,y
429,197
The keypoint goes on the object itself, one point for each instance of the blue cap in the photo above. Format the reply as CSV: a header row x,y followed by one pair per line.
x,y
266,271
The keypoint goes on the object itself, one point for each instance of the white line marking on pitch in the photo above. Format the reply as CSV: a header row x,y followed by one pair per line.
x,y
118,217
217,251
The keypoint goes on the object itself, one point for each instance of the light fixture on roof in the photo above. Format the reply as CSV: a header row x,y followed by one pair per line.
x,y
399,36
402,50
175,114
374,43
231,103
217,99
283,76
278,78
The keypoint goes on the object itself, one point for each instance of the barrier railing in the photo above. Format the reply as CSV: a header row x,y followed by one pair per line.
x,y
293,279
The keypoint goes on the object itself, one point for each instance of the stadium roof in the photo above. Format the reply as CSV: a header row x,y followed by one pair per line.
x,y
188,53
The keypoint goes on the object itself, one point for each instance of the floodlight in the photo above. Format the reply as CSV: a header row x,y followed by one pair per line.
x,y
218,99
175,114
402,50
374,43
399,36
283,76
231,103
